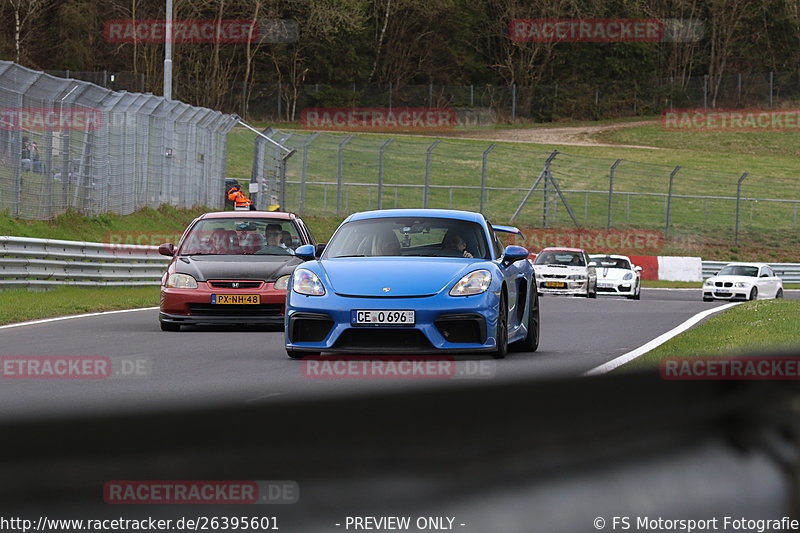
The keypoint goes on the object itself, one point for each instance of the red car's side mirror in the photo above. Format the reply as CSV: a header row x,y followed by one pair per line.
x,y
166,249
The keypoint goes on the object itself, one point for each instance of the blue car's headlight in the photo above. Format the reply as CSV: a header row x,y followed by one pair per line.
x,y
629,275
306,282
181,281
473,283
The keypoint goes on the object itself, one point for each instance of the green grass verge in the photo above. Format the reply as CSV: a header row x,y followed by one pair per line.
x,y
20,305
163,222
749,327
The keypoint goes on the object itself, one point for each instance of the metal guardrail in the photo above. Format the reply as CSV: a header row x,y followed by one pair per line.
x,y
30,262
788,272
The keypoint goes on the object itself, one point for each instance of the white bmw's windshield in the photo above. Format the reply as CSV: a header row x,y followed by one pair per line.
x,y
739,270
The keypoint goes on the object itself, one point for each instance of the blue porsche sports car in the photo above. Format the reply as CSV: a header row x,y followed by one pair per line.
x,y
413,281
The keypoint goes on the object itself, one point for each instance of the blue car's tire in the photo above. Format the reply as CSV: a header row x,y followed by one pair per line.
x,y
502,329
531,341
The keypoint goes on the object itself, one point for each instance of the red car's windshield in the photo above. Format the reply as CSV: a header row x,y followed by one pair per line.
x,y
241,236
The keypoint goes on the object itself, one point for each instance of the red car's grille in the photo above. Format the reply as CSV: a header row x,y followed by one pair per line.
x,y
236,284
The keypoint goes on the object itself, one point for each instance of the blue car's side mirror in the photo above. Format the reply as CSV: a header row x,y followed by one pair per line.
x,y
305,252
513,253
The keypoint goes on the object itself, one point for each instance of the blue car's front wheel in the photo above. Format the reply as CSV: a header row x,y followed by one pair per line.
x,y
502,329
531,341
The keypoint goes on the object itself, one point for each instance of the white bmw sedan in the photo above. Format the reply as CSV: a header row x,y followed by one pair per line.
x,y
617,275
743,281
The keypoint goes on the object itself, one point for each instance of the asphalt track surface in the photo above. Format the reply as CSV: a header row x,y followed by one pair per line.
x,y
225,366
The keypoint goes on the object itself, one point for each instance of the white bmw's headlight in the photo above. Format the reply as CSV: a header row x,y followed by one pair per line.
x,y
740,284
282,282
473,283
181,281
709,282
629,275
306,282
577,276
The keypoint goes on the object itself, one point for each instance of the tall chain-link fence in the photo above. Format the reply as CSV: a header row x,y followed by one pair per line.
x,y
69,144
332,174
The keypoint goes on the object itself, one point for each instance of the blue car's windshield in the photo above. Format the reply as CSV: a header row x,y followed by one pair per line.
x,y
402,236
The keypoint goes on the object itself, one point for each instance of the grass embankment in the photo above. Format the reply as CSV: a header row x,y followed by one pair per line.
x,y
749,327
20,305
711,164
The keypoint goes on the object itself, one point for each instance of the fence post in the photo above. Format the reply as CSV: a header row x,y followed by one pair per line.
x,y
669,198
472,96
739,89
544,171
611,189
304,171
280,92
428,173
483,175
705,92
513,101
390,96
282,171
380,172
339,174
771,87
738,202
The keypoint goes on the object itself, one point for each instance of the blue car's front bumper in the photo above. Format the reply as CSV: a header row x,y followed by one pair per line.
x,y
322,324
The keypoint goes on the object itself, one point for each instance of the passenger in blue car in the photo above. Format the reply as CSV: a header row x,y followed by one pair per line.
x,y
387,244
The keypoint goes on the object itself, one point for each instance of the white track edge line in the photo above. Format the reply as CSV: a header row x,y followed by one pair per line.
x,y
658,341
70,317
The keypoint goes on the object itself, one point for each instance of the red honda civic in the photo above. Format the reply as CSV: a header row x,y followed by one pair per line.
x,y
231,267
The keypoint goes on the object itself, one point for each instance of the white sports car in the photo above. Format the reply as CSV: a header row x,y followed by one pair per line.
x,y
617,275
743,281
565,271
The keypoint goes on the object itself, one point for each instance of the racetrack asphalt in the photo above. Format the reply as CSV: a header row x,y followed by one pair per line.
x,y
244,365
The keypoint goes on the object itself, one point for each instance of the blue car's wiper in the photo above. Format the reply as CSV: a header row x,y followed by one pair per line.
x,y
353,255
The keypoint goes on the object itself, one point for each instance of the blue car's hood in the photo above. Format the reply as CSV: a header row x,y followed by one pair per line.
x,y
359,276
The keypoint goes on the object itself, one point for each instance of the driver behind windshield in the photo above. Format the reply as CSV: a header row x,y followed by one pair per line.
x,y
454,245
274,234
